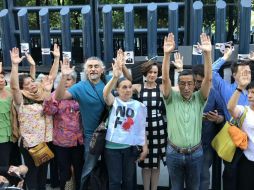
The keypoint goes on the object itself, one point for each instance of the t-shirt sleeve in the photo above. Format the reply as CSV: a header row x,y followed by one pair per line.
x,y
74,91
241,108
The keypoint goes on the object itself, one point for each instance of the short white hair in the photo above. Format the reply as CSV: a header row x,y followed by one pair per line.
x,y
94,59
59,76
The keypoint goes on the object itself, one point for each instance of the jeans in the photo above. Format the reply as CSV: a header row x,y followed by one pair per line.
x,y
121,168
89,164
207,162
184,168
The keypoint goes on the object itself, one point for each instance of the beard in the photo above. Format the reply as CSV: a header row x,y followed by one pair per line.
x,y
94,76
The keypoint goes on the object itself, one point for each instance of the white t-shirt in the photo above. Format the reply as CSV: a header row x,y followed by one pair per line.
x,y
135,113
248,127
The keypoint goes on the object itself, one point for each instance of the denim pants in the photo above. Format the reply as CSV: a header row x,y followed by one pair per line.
x,y
184,168
121,168
208,153
89,164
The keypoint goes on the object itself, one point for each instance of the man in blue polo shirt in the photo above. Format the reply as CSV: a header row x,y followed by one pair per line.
x,y
184,111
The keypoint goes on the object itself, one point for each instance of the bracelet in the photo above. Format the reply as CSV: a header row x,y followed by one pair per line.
x,y
239,89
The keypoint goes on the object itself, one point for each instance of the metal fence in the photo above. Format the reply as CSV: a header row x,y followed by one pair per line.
x,y
99,41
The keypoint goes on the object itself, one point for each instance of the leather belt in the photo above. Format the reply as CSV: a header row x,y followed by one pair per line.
x,y
180,150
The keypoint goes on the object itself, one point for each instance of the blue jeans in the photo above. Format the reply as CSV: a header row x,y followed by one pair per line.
x,y
90,162
184,168
207,162
121,168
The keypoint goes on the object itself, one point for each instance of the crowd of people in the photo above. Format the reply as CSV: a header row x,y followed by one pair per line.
x,y
65,118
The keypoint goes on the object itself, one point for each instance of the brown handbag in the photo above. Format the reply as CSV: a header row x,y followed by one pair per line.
x,y
41,153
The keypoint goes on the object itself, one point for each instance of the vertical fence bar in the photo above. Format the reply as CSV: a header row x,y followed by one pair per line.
x,y
12,23
129,27
108,35
244,34
220,30
187,21
197,21
173,20
24,30
96,25
45,34
66,31
5,36
87,32
152,30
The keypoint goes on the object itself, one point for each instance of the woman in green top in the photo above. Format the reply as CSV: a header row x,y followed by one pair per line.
x,y
5,120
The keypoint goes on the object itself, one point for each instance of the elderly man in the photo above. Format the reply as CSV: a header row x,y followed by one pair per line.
x,y
89,96
184,111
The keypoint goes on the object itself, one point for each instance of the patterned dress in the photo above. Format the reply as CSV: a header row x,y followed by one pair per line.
x,y
156,127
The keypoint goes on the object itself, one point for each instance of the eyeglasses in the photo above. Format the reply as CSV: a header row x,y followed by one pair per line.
x,y
189,84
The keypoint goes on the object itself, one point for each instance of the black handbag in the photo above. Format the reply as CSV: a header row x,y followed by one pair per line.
x,y
136,151
98,141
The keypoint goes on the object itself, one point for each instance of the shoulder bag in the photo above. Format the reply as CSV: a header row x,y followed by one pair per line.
x,y
223,144
41,153
97,143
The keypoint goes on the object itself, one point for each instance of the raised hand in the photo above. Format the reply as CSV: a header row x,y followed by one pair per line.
x,y
178,63
244,79
117,69
47,83
15,59
120,58
169,43
29,59
65,67
227,53
56,51
251,56
205,45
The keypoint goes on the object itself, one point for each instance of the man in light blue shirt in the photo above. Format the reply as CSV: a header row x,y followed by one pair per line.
x,y
226,89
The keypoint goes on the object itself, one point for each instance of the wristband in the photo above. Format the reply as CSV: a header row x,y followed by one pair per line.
x,y
239,89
